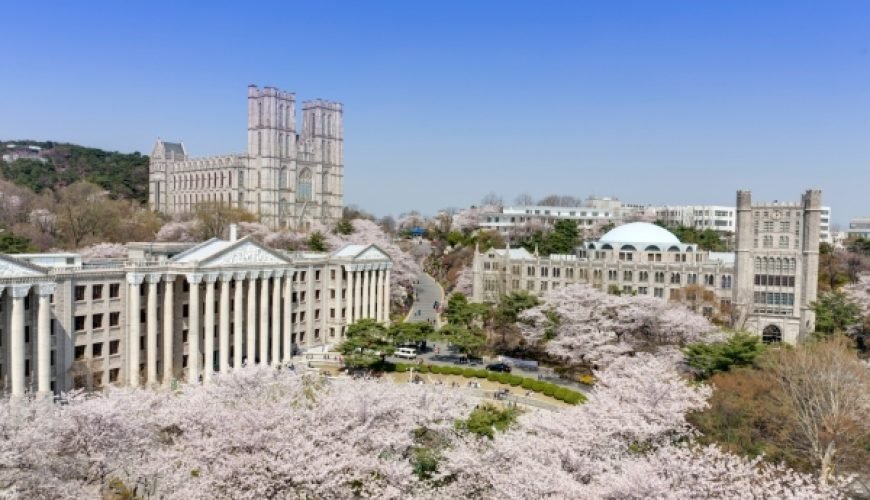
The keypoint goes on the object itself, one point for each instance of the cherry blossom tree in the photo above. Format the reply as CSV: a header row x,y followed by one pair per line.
x,y
104,251
262,433
178,231
464,281
587,326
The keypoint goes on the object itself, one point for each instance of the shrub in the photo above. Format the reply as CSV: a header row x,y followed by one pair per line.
x,y
492,376
480,373
515,380
549,390
586,379
456,370
486,419
402,368
503,378
538,386
529,384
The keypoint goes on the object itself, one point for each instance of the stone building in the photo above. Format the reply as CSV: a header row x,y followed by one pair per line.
x,y
767,286
290,176
177,311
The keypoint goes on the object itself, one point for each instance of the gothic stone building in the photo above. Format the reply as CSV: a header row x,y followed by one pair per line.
x,y
177,311
288,178
767,286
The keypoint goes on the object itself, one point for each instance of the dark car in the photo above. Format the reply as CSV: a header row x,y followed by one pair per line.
x,y
499,367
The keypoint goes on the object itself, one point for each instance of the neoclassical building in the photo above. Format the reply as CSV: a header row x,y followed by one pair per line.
x,y
177,312
288,178
767,286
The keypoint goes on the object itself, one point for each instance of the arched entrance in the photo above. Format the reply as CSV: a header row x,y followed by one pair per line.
x,y
770,334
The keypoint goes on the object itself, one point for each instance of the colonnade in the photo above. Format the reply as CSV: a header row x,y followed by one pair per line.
x,y
18,293
256,317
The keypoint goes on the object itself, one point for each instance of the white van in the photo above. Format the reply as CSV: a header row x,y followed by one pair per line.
x,y
406,352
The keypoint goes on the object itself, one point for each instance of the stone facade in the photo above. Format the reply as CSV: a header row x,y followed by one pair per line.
x,y
288,179
175,312
766,287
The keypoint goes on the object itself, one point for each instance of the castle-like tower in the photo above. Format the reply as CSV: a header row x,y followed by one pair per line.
x,y
776,266
288,179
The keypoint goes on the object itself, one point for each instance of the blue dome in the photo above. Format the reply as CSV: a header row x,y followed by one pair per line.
x,y
639,232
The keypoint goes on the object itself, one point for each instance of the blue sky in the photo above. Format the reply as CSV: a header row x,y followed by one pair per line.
x,y
654,102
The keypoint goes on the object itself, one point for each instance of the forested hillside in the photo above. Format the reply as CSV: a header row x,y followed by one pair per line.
x,y
123,175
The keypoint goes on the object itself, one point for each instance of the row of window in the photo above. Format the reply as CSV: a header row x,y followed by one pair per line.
x,y
775,265
80,291
774,280
774,298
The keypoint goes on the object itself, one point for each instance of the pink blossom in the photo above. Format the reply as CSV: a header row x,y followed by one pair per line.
x,y
104,251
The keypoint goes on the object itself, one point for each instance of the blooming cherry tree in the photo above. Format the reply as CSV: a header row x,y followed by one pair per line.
x,y
584,325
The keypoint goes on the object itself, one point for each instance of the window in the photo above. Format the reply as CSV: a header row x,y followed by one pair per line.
x,y
80,352
659,292
675,278
80,292
784,227
114,318
303,191
114,290
626,276
783,242
97,349
114,347
113,374
96,321
79,323
97,292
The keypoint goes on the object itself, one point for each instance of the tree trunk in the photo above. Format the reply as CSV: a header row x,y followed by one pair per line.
x,y
827,466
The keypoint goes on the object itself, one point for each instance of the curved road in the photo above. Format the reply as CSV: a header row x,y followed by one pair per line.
x,y
426,293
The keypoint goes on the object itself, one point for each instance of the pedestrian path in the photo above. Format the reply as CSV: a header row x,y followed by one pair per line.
x,y
428,297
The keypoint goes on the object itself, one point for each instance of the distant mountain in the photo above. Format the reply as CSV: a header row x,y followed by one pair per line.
x,y
50,165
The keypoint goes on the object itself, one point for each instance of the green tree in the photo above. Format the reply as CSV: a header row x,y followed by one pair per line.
x,y
366,345
460,312
740,349
511,305
11,243
835,313
486,419
344,226
316,242
407,333
468,340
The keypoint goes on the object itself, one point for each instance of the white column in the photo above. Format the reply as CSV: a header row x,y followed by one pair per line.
x,y
351,303
379,294
238,319
365,295
16,342
208,334
276,319
264,319
309,307
193,330
387,300
357,297
339,279
251,324
373,294
43,337
224,328
168,328
288,316
151,340
134,324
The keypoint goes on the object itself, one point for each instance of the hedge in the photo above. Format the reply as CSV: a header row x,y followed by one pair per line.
x,y
552,390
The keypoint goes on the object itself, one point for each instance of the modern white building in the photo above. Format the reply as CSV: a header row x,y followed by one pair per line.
x,y
177,312
859,228
767,286
592,215
287,178
721,219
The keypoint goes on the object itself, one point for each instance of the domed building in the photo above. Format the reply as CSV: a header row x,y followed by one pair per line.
x,y
767,285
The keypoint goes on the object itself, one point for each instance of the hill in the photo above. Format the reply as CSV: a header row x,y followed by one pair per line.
x,y
51,165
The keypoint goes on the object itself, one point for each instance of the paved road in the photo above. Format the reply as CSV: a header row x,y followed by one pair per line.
x,y
427,293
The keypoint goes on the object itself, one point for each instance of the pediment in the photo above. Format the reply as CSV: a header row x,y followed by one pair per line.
x,y
244,253
372,253
11,267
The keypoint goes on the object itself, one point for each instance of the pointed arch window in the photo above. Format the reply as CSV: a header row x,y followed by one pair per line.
x,y
303,191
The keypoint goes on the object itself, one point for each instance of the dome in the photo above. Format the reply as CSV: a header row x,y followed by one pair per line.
x,y
639,232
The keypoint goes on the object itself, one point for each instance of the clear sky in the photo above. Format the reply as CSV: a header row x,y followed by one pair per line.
x,y
651,101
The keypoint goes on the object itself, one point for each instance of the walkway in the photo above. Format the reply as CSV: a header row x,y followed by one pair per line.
x,y
426,293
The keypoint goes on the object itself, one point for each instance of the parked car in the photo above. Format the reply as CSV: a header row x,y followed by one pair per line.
x,y
499,367
405,352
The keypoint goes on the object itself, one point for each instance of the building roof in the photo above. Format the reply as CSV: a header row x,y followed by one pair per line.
x,y
173,147
639,232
